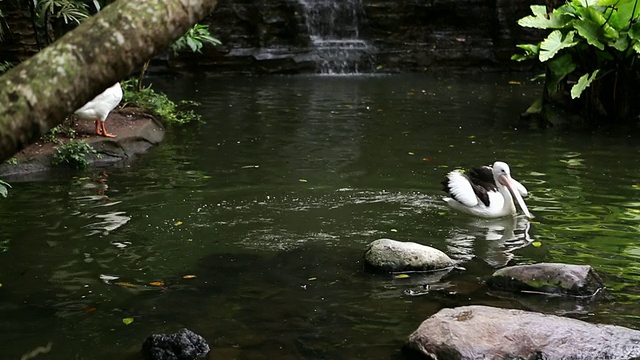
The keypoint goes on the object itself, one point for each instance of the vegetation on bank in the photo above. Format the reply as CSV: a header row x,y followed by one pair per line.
x,y
591,56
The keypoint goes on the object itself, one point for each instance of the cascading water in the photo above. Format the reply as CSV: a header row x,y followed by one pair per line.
x,y
334,29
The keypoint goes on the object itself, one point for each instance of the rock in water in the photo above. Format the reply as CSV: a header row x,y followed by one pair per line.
x,y
392,255
483,332
183,345
553,278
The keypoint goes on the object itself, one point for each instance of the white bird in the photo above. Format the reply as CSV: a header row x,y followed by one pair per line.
x,y
487,192
99,108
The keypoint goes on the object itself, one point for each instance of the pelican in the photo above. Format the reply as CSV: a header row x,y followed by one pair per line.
x,y
486,192
99,108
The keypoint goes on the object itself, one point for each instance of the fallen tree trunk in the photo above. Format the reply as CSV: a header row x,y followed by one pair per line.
x,y
40,92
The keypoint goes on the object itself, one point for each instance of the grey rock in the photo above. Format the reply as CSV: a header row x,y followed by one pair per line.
x,y
482,332
553,278
392,255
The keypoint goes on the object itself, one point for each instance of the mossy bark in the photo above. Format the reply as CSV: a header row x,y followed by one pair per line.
x,y
40,92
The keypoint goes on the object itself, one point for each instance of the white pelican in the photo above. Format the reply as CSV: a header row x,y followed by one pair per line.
x,y
98,108
486,192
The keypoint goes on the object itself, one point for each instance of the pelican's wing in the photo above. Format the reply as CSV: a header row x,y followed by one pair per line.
x,y
482,174
459,186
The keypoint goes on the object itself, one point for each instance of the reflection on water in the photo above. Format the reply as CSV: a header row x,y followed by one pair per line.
x,y
250,229
493,240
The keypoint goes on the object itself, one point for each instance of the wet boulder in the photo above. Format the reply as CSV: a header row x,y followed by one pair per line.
x,y
182,345
553,278
482,332
391,255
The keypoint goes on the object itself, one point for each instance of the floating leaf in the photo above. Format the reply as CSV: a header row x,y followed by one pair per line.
x,y
0,284
178,223
157,283
394,230
536,244
127,321
125,284
427,159
312,279
472,137
514,82
401,276
411,153
303,180
188,276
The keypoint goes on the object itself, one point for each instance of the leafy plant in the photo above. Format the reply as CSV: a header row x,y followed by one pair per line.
x,y
74,153
69,11
4,188
12,161
593,46
194,39
159,104
5,65
61,129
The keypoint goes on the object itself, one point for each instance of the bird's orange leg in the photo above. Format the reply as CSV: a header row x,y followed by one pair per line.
x,y
104,131
98,130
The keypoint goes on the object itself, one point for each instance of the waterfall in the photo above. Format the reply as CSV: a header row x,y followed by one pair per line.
x,y
334,27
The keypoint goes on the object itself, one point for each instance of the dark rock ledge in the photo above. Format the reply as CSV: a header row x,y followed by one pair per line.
x,y
136,133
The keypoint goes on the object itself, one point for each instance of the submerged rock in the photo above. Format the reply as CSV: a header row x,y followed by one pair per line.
x,y
553,278
392,255
482,332
183,345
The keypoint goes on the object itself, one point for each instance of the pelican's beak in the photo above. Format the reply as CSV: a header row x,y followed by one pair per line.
x,y
510,184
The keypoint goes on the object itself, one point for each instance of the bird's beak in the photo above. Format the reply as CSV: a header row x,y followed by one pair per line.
x,y
509,183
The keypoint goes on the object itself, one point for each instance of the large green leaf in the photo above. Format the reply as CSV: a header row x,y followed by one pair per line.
x,y
584,3
622,44
557,19
559,68
634,32
626,10
607,2
530,51
555,42
584,82
590,31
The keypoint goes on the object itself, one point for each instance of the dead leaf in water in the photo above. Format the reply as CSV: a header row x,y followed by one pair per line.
x,y
127,321
125,284
178,223
401,276
157,283
189,277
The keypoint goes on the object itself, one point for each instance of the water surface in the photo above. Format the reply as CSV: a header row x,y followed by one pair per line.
x,y
249,229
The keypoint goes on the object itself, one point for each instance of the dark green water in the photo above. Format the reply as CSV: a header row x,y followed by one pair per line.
x,y
271,203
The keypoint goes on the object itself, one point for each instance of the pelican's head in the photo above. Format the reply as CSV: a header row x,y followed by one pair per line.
x,y
502,176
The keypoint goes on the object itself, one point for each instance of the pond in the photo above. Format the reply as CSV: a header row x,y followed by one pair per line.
x,y
250,228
